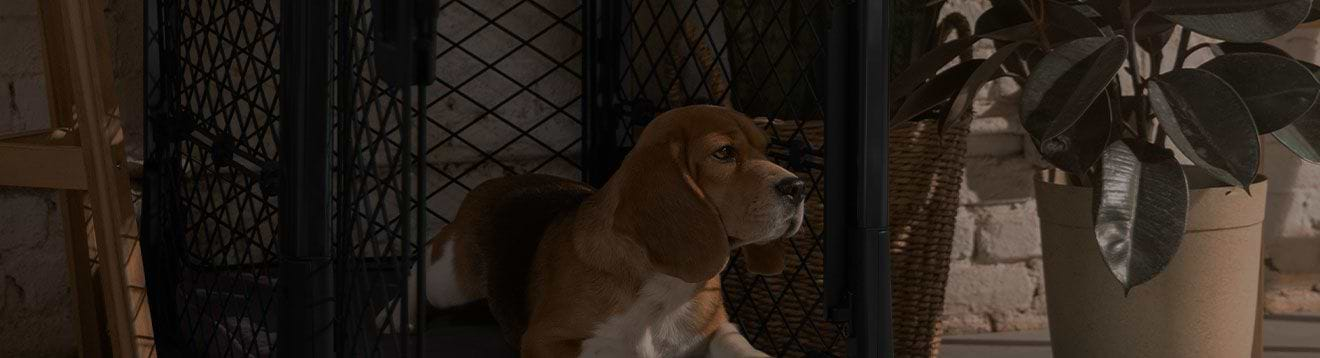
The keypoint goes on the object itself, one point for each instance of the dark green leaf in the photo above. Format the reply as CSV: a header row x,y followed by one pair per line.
x,y
1109,9
1204,7
963,102
1224,48
1063,23
1153,31
1208,122
1141,210
1253,21
1015,33
939,90
1079,147
1276,89
1066,81
926,66
1303,135
1001,17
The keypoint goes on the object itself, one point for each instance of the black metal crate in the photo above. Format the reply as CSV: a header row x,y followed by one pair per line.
x,y
762,58
379,163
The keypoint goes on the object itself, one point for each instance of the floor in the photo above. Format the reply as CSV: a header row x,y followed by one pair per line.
x,y
1287,336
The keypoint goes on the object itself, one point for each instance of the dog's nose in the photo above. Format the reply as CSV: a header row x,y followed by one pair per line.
x,y
794,188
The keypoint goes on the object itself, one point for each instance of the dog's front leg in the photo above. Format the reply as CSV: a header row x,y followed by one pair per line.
x,y
728,343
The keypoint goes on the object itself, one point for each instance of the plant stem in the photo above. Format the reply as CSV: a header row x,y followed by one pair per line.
x,y
1042,28
1156,62
1138,86
1183,51
1130,129
1161,138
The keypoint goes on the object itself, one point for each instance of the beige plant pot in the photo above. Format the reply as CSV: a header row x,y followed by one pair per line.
x,y
1204,305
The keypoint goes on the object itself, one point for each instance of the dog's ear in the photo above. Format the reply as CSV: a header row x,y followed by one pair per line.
x,y
661,207
766,259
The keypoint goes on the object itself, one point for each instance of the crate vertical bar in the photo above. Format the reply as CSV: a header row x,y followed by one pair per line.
x,y
857,267
306,271
873,317
839,196
160,202
600,87
345,87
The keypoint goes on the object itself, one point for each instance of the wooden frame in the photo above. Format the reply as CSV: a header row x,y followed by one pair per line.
x,y
83,157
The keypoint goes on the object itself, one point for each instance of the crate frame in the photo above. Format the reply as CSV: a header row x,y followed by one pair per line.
x,y
314,176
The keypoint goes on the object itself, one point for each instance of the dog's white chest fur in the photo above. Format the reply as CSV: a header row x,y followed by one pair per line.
x,y
660,323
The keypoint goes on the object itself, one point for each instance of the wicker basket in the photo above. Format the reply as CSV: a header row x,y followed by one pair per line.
x,y
925,178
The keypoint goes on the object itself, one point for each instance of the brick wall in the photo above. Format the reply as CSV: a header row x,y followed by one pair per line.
x,y
995,282
35,302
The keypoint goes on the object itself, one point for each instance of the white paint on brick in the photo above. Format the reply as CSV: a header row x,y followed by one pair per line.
x,y
988,288
1292,293
997,180
964,236
1018,321
1292,216
35,303
1293,256
966,323
23,103
994,144
992,123
1007,233
1287,172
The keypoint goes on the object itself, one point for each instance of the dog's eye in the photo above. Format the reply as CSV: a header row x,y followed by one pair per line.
x,y
725,153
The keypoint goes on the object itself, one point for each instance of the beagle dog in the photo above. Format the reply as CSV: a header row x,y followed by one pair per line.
x,y
631,270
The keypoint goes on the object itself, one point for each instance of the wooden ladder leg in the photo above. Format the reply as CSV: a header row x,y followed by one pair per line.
x,y
78,61
85,315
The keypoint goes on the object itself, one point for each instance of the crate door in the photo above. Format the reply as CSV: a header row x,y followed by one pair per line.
x,y
761,58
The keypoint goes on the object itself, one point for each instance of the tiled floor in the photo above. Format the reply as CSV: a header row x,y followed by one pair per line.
x,y
1289,336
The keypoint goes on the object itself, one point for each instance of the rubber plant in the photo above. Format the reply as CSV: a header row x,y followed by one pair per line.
x,y
1099,114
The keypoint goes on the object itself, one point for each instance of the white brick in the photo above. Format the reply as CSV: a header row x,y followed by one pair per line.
x,y
1038,302
989,123
964,235
1018,321
1292,299
991,180
988,288
994,145
22,49
1297,255
1287,172
34,291
1007,233
1292,216
1302,43
23,104
966,323
999,98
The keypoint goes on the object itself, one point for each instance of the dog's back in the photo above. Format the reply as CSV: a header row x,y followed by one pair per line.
x,y
487,251
500,224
